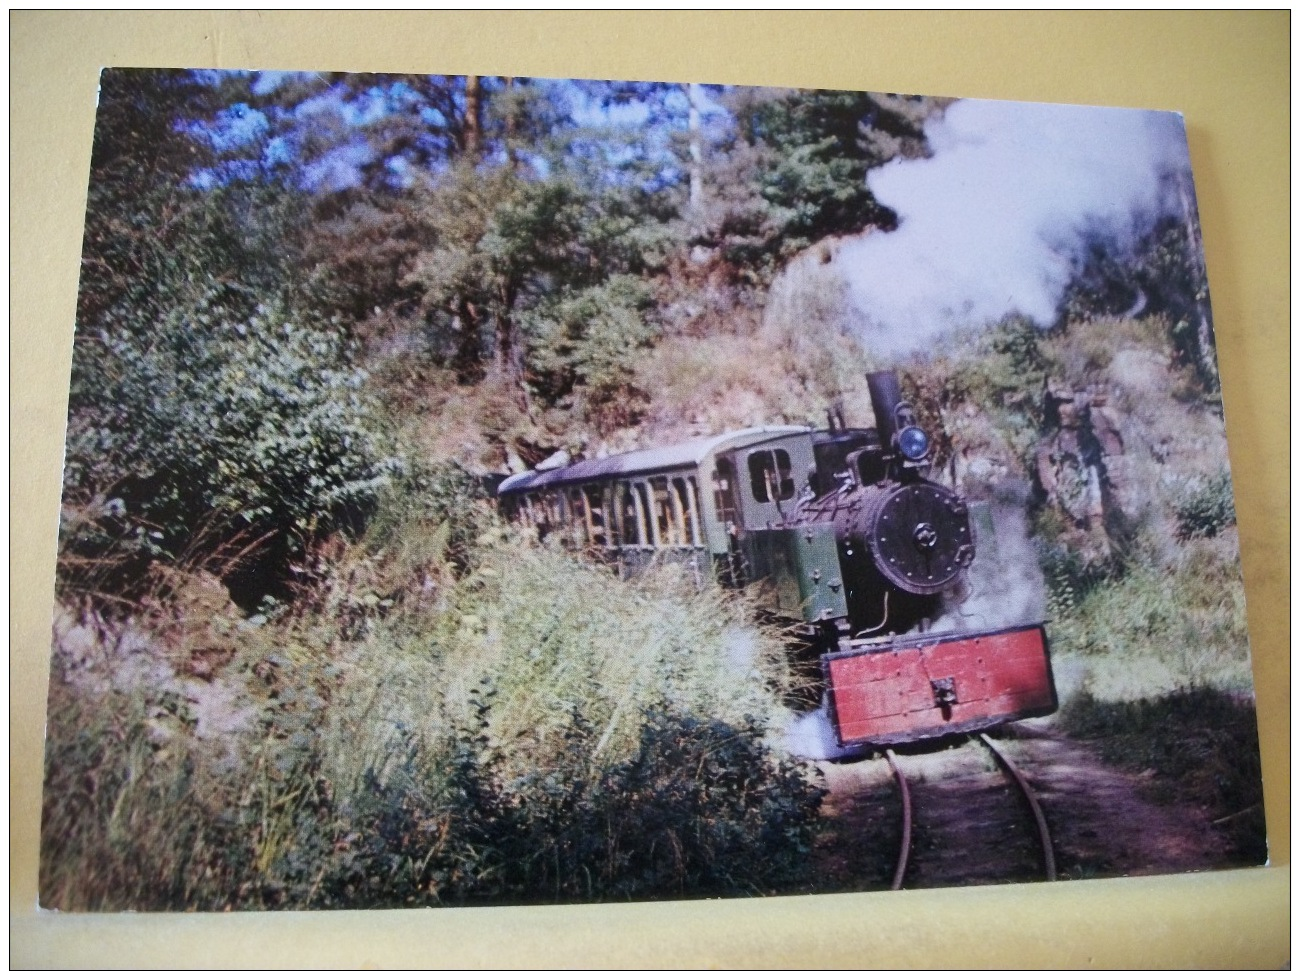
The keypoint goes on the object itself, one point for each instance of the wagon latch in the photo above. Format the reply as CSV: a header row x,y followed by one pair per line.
x,y
945,694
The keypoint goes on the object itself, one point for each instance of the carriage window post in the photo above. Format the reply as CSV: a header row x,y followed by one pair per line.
x,y
648,512
581,527
679,512
665,524
597,519
693,502
638,500
725,493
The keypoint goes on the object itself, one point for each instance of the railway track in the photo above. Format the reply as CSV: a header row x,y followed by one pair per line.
x,y
991,843
969,823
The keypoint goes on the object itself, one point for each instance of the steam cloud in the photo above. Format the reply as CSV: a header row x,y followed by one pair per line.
x,y
995,221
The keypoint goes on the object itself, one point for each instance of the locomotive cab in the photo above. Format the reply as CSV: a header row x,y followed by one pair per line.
x,y
767,479
835,450
760,491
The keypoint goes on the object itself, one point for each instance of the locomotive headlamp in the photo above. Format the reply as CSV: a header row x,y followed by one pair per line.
x,y
913,443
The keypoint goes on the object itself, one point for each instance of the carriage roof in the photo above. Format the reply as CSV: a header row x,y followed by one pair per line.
x,y
645,460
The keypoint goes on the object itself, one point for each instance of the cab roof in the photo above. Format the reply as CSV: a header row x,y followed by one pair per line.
x,y
646,460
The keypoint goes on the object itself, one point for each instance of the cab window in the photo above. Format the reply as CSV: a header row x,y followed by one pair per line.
x,y
769,475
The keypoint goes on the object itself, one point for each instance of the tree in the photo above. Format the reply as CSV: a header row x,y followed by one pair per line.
x,y
467,290
213,402
1157,270
503,239
793,168
384,129
582,345
500,242
140,161
371,149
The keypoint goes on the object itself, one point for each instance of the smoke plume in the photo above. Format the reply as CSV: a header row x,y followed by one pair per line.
x,y
996,221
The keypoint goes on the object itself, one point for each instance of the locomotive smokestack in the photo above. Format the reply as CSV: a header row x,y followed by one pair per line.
x,y
885,397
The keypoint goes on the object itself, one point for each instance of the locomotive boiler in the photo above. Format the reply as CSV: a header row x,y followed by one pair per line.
x,y
852,539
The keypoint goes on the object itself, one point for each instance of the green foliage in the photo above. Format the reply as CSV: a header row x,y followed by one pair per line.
x,y
582,346
578,233
1014,364
1070,576
796,170
214,410
408,123
100,801
367,243
726,814
1151,598
137,122
1083,351
1162,273
500,244
425,828
661,640
700,807
425,494
1206,508
256,421
1180,620
463,289
1003,371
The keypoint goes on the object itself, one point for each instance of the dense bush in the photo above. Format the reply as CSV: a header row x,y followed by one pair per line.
x,y
1070,577
1174,622
699,807
703,807
582,348
114,786
1206,508
428,826
1160,272
811,151
424,497
222,422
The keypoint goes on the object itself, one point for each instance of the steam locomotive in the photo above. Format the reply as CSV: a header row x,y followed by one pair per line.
x,y
855,543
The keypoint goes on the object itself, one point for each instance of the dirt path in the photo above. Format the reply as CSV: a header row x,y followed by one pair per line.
x,y
971,828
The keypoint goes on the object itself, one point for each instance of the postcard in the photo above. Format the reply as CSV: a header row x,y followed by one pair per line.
x,y
492,490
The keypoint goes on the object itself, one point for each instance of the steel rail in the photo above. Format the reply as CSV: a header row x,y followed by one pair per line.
x,y
1044,835
906,848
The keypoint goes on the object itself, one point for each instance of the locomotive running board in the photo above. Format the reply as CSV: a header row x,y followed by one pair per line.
x,y
908,689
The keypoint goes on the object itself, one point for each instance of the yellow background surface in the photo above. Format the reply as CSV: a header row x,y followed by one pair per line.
x,y
1228,74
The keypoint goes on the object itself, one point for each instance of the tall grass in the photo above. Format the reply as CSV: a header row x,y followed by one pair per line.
x,y
1156,622
415,728
554,631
